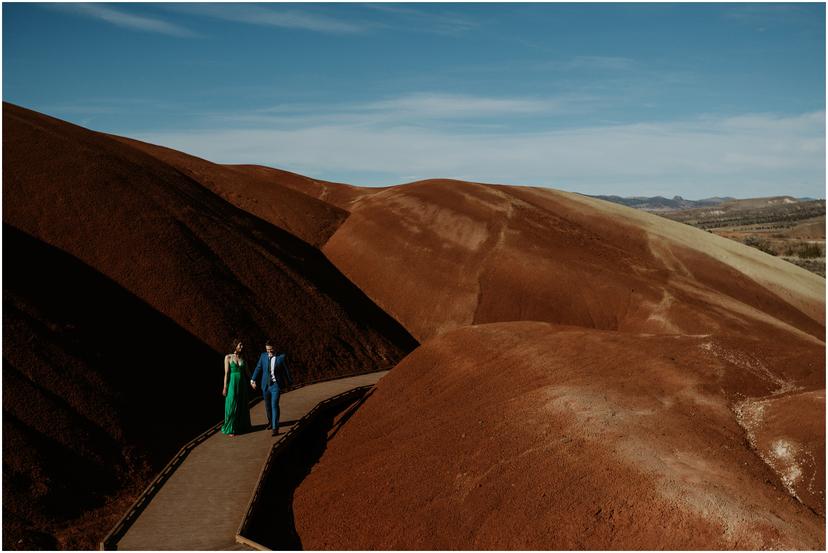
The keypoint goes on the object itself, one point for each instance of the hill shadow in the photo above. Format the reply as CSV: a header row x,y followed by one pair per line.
x,y
100,389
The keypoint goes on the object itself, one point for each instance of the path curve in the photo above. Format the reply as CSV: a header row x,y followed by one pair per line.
x,y
200,506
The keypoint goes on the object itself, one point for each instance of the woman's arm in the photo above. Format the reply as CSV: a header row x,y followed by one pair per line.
x,y
226,373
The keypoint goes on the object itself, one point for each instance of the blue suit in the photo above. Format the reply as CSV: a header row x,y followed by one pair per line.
x,y
270,389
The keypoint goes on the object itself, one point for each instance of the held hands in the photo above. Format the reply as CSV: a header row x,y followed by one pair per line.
x,y
253,383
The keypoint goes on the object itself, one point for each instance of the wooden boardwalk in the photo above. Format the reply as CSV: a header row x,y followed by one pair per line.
x,y
203,502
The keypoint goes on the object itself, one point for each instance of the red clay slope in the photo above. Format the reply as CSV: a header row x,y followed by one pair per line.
x,y
128,279
527,435
343,196
441,255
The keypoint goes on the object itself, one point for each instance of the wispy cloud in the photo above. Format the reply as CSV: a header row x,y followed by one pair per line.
x,y
434,21
92,105
273,17
407,110
127,20
459,105
773,16
763,12
757,154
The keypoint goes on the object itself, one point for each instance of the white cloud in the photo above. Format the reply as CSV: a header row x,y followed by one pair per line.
x,y
125,19
418,20
409,109
758,13
273,17
739,156
458,105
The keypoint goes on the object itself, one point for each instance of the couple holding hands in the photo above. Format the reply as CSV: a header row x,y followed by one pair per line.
x,y
270,370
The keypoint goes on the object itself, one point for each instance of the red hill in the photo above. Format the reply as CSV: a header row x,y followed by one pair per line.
x,y
442,254
591,376
126,277
680,391
527,435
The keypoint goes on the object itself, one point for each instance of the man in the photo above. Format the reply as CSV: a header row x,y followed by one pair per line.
x,y
271,367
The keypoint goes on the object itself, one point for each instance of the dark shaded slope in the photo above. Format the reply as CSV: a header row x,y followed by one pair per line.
x,y
268,195
96,393
210,269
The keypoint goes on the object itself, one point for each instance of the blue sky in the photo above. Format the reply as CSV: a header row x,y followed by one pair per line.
x,y
694,100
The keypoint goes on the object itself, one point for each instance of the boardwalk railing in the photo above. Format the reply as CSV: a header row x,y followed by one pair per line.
x,y
243,535
110,541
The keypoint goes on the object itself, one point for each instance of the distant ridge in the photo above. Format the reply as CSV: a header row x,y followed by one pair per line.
x,y
676,203
660,203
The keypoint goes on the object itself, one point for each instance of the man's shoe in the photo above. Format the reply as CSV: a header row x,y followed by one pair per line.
x,y
274,432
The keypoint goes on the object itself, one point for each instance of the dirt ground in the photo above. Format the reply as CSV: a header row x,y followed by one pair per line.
x,y
792,229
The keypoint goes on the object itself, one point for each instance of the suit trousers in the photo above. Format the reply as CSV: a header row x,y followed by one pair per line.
x,y
271,401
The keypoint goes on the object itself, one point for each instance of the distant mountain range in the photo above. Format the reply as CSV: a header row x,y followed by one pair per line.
x,y
660,203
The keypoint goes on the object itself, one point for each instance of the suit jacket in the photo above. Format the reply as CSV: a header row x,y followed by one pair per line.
x,y
262,373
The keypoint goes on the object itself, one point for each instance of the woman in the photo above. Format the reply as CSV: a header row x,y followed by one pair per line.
x,y
236,413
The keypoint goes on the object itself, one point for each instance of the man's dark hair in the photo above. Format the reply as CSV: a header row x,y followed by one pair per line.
x,y
269,343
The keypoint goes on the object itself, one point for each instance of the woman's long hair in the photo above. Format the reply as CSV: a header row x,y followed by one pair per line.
x,y
235,344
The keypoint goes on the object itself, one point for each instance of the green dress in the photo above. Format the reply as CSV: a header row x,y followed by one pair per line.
x,y
236,413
